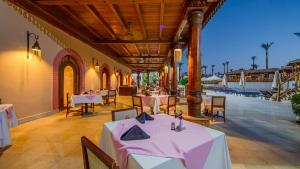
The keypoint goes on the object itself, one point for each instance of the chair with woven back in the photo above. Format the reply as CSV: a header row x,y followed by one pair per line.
x,y
71,109
218,104
111,95
137,102
122,114
94,157
171,106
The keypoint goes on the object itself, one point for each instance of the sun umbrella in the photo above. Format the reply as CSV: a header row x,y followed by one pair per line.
x,y
276,80
224,81
242,80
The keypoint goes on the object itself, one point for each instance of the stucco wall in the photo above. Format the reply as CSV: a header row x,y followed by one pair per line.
x,y
28,83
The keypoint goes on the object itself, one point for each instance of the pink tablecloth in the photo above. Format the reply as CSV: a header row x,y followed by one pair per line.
x,y
192,145
155,101
8,120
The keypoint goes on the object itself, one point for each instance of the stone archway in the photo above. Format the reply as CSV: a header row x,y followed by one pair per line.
x,y
56,64
105,70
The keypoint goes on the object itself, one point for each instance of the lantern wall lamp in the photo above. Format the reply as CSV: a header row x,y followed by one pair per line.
x,y
35,47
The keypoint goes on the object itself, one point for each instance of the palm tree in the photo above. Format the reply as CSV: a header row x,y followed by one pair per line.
x,y
253,62
297,33
204,67
224,65
267,46
212,69
227,63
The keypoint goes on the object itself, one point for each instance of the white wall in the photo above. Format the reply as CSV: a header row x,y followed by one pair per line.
x,y
28,83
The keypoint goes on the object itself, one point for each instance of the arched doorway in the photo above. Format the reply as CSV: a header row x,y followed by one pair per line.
x,y
68,67
120,79
104,77
68,79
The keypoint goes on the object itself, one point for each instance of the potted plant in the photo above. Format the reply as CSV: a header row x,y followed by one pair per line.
x,y
296,105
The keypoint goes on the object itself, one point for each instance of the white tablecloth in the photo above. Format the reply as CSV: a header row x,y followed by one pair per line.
x,y
155,101
80,99
218,157
155,92
8,120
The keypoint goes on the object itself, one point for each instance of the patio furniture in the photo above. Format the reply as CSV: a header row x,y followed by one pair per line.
x,y
154,102
94,157
218,104
209,143
72,109
138,103
85,99
124,114
8,120
111,97
171,106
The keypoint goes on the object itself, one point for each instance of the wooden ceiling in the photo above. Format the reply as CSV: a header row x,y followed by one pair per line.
x,y
138,33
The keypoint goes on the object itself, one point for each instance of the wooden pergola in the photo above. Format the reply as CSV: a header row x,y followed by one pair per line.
x,y
138,33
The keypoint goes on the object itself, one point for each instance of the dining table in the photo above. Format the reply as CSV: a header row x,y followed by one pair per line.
x,y
195,147
86,99
155,101
8,120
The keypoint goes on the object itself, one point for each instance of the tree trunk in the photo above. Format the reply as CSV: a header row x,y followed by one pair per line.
x,y
267,61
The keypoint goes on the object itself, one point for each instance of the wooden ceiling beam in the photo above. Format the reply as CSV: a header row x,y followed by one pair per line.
x,y
155,56
161,18
137,49
118,41
141,19
148,50
80,20
148,63
116,11
126,50
97,15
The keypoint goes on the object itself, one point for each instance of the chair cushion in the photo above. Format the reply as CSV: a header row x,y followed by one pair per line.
x,y
120,115
94,162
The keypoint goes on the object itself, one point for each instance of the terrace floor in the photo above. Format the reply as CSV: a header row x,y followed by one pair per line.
x,y
261,135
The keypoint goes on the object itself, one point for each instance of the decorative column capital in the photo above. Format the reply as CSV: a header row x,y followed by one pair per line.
x,y
196,16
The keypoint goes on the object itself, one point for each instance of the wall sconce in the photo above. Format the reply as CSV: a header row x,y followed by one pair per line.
x,y
177,55
35,47
96,65
166,68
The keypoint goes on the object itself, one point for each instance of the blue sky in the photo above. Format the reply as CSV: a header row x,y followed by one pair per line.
x,y
239,27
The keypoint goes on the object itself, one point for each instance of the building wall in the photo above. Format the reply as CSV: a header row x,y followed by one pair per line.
x,y
28,82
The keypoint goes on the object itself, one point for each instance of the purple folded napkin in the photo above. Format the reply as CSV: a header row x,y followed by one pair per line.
x,y
143,117
134,133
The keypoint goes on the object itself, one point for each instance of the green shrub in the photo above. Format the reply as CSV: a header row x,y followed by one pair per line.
x,y
184,81
296,104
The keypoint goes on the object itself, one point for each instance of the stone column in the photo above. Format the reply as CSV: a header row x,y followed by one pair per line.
x,y
138,79
174,76
194,66
148,78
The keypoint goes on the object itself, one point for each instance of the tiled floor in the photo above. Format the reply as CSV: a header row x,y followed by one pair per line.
x,y
255,141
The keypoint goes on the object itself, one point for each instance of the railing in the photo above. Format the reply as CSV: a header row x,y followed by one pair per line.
x,y
283,87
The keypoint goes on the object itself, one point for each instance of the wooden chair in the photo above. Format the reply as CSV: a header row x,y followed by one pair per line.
x,y
111,95
94,157
138,103
0,101
218,104
171,106
124,114
70,109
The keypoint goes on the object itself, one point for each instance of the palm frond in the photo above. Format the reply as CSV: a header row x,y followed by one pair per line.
x,y
297,33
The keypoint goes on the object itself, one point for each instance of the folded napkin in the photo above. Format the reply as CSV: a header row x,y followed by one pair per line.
x,y
134,133
143,117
